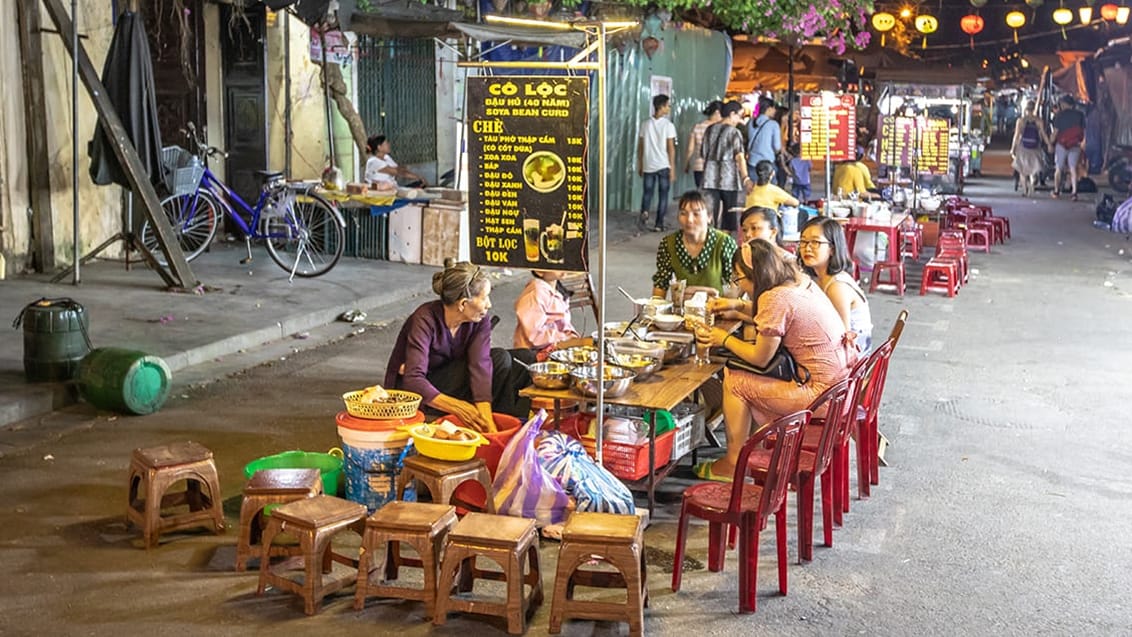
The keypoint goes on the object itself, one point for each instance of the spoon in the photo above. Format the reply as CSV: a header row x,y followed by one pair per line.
x,y
627,295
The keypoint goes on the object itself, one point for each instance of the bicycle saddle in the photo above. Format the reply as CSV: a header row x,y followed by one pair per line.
x,y
269,175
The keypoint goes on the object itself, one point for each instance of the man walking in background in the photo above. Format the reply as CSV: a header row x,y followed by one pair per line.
x,y
656,161
1068,133
725,167
764,136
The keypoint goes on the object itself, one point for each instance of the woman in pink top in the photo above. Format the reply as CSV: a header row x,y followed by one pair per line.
x,y
543,312
789,311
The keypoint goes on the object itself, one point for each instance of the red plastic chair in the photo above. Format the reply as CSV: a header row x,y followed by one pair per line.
x,y
747,506
813,463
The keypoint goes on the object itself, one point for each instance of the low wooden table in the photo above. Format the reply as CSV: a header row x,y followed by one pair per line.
x,y
665,389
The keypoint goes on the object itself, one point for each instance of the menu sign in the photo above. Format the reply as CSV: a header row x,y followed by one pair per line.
x,y
934,149
527,171
832,126
901,136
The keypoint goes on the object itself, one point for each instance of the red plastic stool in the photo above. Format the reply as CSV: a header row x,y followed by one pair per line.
x,y
962,265
1000,226
940,276
977,237
914,241
895,276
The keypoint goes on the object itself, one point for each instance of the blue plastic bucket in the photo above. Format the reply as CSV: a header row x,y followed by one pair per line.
x,y
372,464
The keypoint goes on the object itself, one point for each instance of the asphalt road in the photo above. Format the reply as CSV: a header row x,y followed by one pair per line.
x,y
1003,510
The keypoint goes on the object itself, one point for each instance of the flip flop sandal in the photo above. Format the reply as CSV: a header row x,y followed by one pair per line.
x,y
703,471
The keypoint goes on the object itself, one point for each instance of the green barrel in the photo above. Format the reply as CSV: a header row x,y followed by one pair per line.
x,y
124,380
54,339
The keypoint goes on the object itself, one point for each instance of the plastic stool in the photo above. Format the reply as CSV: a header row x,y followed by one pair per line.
x,y
315,521
153,470
266,488
441,478
425,527
896,276
504,540
940,276
617,540
978,236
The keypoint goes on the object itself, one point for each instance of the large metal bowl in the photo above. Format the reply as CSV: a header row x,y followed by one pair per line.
x,y
575,355
633,346
584,380
677,346
550,375
641,364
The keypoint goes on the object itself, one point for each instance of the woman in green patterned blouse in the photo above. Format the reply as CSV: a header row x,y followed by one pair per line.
x,y
696,253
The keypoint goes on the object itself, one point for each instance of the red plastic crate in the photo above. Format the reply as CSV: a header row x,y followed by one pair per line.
x,y
631,462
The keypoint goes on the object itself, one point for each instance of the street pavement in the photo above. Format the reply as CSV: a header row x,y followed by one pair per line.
x,y
1002,511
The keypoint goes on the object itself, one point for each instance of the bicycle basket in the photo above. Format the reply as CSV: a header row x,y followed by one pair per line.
x,y
182,171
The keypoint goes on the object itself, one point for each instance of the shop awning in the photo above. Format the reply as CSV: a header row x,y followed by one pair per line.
x,y
521,34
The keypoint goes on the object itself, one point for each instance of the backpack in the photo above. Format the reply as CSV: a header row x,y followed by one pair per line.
x,y
1030,137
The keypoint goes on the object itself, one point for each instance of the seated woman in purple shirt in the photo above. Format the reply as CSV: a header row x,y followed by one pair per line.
x,y
444,353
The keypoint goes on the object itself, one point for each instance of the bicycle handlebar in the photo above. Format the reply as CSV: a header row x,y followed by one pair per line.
x,y
202,147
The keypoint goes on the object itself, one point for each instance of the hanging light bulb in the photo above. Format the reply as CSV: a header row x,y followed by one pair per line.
x,y
1122,15
1086,14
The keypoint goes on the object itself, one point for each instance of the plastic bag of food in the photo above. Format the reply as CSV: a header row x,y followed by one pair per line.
x,y
591,485
522,487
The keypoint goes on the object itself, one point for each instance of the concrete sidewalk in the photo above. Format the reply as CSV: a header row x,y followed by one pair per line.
x,y
242,307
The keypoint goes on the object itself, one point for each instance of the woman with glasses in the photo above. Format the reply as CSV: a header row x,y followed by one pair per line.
x,y
696,253
444,353
825,256
790,311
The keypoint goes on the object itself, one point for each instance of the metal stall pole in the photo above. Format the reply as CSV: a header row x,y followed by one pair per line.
x,y
75,249
601,215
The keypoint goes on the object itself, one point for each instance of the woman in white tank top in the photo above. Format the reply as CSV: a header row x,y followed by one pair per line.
x,y
825,255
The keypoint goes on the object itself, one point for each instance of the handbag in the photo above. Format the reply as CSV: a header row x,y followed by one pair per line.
x,y
781,366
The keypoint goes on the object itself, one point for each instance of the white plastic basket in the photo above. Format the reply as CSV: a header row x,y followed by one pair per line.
x,y
182,171
689,419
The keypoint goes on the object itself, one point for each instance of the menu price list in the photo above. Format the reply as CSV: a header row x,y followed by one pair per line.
x,y
835,124
901,137
527,159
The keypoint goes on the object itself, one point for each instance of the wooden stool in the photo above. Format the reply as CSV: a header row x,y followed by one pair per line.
x,y
502,539
154,470
425,527
315,521
616,539
270,487
442,477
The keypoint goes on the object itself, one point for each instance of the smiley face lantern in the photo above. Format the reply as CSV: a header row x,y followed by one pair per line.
x,y
883,23
926,25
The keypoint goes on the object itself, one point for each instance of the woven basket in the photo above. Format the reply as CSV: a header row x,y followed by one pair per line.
x,y
405,407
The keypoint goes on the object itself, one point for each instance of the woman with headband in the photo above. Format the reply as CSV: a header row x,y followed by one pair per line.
x,y
444,353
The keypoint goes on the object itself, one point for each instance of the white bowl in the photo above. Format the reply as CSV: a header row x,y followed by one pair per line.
x,y
839,211
667,322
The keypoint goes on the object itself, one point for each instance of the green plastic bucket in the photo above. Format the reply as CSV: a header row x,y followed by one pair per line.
x,y
124,380
330,464
55,339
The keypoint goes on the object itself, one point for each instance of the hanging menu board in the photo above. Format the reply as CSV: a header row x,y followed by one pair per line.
x,y
833,126
934,149
527,171
899,139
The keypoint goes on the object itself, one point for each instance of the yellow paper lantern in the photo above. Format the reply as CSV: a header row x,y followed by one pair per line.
x,y
1122,15
883,22
1015,20
1086,14
1062,16
926,24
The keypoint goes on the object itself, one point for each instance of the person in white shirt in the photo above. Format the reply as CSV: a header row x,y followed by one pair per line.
x,y
656,161
382,171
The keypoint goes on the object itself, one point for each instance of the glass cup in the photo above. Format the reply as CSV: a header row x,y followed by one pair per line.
x,y
701,327
676,293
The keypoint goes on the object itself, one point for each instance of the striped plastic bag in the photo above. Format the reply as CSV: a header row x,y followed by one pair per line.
x,y
1122,218
522,487
591,485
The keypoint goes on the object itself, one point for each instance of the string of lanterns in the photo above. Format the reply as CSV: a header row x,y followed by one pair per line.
x,y
972,24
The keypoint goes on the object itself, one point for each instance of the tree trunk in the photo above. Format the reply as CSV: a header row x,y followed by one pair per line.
x,y
333,75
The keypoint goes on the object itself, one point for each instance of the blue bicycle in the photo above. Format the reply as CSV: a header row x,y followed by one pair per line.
x,y
303,233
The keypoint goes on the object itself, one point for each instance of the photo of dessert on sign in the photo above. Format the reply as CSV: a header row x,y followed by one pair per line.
x,y
544,171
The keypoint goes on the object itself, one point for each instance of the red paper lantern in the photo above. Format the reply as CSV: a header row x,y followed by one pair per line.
x,y
972,24
1108,11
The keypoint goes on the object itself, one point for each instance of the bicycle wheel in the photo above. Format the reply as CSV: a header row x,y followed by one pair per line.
x,y
194,221
308,238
